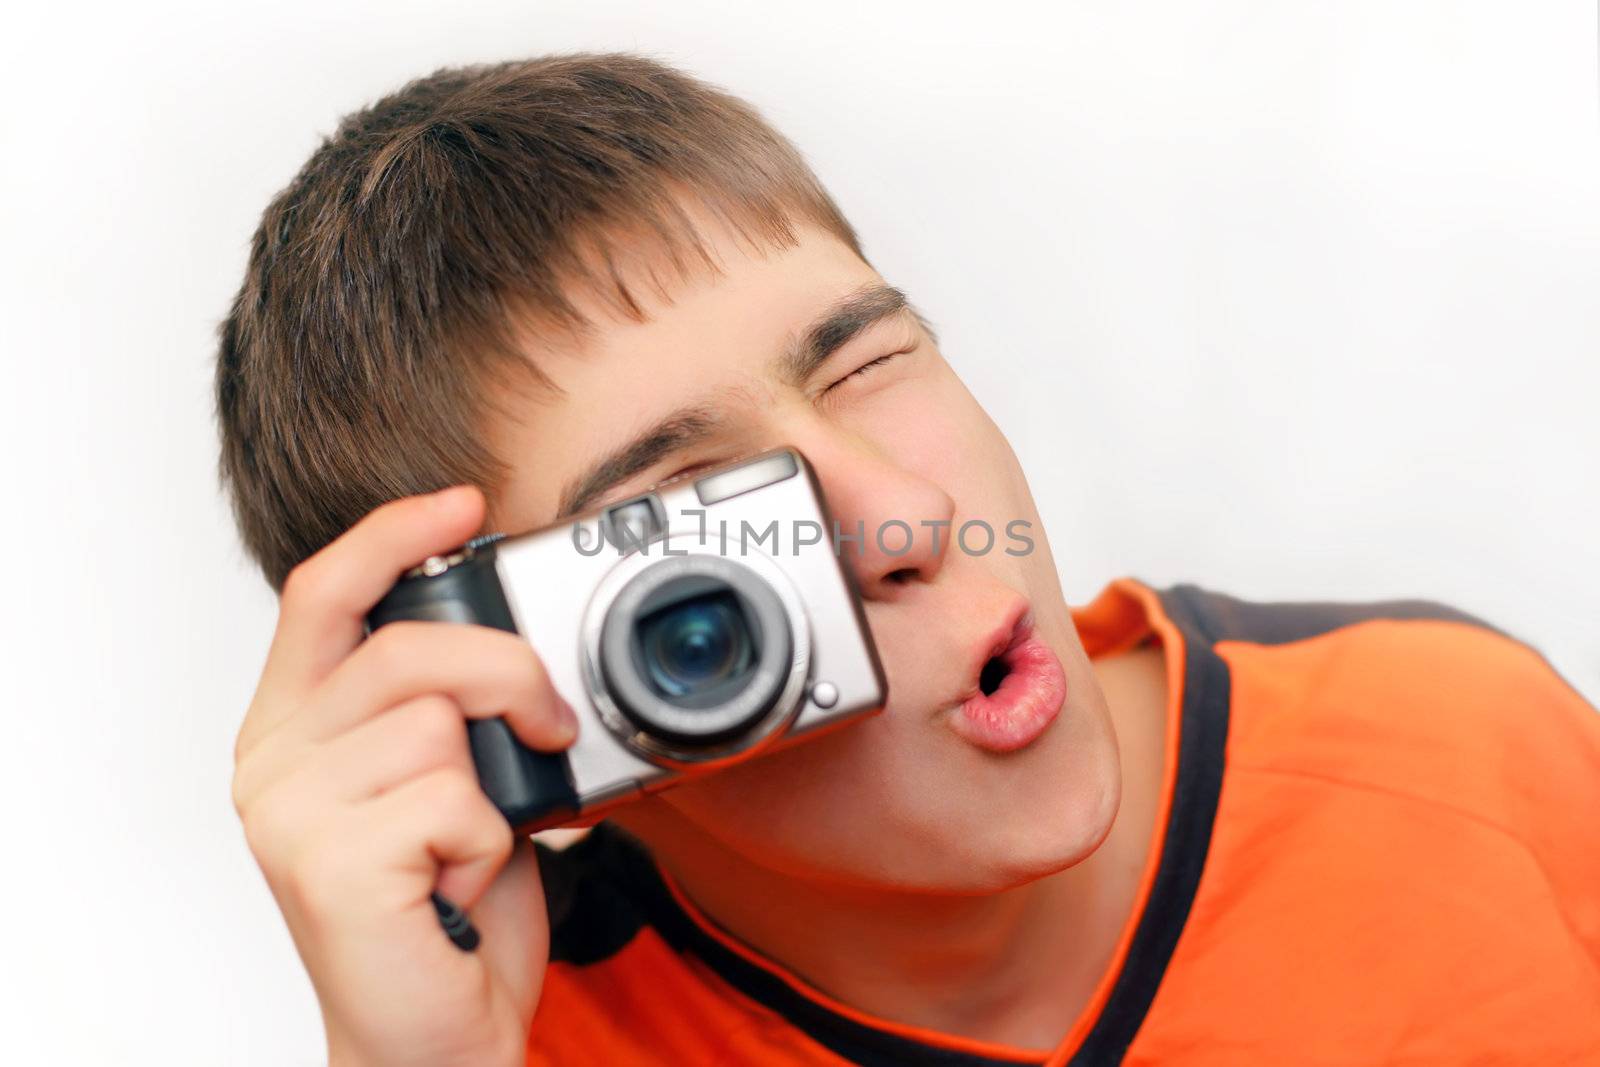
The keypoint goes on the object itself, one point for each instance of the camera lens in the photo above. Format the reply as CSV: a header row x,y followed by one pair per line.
x,y
699,654
696,645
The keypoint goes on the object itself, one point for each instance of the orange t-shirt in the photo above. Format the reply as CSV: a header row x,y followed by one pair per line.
x,y
1379,843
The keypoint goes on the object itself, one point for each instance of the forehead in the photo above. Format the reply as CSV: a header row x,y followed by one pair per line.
x,y
710,337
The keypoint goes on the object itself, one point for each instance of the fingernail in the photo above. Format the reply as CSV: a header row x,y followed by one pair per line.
x,y
569,721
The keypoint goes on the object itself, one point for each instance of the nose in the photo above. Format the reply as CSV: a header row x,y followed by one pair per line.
x,y
892,524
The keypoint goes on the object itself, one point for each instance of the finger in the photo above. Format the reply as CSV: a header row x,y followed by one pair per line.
x,y
487,672
442,829
326,599
424,734
420,735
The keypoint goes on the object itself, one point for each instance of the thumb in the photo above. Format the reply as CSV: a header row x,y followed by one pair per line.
x,y
326,600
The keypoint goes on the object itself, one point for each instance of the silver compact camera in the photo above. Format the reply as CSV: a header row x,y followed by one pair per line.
x,y
704,622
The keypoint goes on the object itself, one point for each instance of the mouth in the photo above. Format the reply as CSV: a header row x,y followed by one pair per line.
x,y
1019,688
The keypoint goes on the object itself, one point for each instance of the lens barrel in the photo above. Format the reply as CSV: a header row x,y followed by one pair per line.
x,y
696,651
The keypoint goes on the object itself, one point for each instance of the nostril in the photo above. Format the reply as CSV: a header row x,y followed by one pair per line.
x,y
901,576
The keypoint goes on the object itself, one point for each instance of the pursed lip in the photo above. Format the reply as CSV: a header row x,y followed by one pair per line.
x,y
1030,693
1012,628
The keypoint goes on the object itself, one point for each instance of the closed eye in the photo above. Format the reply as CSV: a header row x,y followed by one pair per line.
x,y
863,369
693,468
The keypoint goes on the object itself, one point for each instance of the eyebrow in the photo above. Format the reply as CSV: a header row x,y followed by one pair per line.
x,y
693,424
837,327
684,427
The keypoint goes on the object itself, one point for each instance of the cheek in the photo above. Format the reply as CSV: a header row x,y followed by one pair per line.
x,y
937,428
931,424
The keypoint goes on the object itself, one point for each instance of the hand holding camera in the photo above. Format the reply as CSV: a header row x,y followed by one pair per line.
x,y
359,799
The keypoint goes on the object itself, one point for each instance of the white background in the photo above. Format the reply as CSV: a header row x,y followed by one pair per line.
x,y
1290,299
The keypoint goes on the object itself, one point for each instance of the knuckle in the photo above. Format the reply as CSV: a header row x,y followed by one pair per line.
x,y
498,841
535,674
268,825
436,725
520,667
251,729
240,795
486,831
304,580
239,750
458,795
397,645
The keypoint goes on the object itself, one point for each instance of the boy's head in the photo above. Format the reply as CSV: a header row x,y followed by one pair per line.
x,y
568,278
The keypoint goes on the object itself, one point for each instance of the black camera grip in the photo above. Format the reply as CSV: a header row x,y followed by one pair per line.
x,y
531,789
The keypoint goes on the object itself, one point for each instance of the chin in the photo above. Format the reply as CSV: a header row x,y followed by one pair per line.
x,y
1017,848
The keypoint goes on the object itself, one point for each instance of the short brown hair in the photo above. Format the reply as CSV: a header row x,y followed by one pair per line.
x,y
394,277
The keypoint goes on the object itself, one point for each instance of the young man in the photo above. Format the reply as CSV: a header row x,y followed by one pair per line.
x,y
1198,831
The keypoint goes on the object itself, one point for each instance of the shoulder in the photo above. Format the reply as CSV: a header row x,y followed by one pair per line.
x,y
1410,691
1409,694
1405,794
1416,655
1222,616
1409,699
1408,721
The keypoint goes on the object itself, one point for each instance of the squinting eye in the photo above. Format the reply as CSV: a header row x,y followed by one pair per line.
x,y
695,468
863,369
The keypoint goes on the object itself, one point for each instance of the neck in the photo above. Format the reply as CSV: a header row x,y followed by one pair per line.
x,y
1015,968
